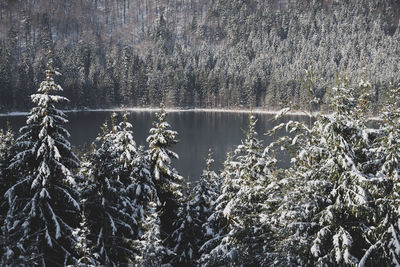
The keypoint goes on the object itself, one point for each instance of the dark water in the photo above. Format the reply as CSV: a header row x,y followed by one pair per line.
x,y
198,131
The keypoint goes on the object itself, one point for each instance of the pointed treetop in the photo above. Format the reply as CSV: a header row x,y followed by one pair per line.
x,y
162,113
48,84
125,116
209,159
113,120
251,133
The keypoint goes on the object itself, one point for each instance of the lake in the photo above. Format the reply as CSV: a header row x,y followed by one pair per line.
x,y
197,132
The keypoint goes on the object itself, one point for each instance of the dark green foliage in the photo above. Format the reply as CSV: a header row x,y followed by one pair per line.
x,y
109,208
42,201
166,179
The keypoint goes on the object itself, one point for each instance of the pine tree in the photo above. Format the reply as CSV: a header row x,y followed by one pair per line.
x,y
205,194
108,207
327,206
84,245
133,171
150,245
43,206
7,141
165,177
186,234
245,238
385,237
189,236
6,144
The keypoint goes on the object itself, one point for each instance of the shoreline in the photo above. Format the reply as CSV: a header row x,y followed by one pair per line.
x,y
138,109
169,110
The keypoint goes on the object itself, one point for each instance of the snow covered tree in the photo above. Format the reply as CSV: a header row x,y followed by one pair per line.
x,y
216,227
43,206
186,234
6,153
205,193
384,239
134,172
151,245
327,206
166,178
245,238
345,215
6,144
84,245
197,207
108,207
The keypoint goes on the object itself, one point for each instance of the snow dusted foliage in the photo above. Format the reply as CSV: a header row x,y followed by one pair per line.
x,y
384,249
388,147
186,235
133,171
6,153
6,144
84,245
151,245
344,218
43,206
166,178
327,206
7,141
109,208
125,147
335,200
205,193
197,207
216,227
245,237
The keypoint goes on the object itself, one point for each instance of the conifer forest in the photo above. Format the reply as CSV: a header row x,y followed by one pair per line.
x,y
336,201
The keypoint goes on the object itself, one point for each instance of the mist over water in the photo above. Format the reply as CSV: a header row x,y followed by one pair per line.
x,y
197,132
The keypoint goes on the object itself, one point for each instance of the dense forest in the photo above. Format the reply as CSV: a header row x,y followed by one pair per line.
x,y
196,53
119,204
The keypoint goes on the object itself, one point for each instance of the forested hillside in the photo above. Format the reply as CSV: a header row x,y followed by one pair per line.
x,y
196,53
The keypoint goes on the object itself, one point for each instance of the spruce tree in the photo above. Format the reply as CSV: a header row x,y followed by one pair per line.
x,y
216,227
84,245
43,206
205,194
187,233
345,215
108,207
197,207
384,247
6,144
7,141
150,245
133,171
166,179
239,235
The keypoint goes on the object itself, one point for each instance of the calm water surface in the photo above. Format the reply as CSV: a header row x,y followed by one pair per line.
x,y
197,132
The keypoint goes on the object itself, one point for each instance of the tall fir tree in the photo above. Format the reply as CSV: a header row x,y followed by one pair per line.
x,y
108,207
189,235
186,234
384,247
133,171
205,194
43,206
151,245
246,239
6,144
166,178
216,227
